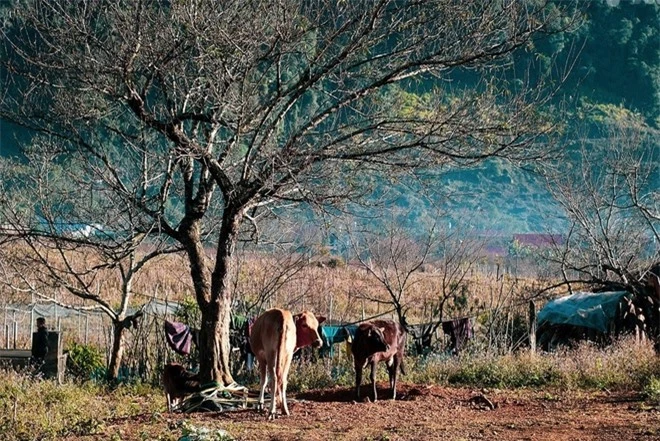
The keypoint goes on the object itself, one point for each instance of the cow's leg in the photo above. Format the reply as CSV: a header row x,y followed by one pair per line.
x,y
392,369
169,402
373,379
283,382
272,373
263,377
359,365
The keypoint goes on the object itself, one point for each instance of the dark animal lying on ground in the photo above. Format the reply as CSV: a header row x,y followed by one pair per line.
x,y
178,383
375,341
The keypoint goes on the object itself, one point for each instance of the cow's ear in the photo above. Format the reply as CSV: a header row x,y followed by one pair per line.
x,y
320,319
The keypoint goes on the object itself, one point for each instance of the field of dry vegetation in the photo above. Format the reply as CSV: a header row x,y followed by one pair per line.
x,y
326,285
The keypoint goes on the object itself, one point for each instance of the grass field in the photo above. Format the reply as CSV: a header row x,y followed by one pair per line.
x,y
621,380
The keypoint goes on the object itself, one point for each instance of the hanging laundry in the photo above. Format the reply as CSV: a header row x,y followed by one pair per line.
x,y
180,336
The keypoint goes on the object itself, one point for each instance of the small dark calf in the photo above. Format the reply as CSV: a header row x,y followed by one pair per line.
x,y
375,341
178,383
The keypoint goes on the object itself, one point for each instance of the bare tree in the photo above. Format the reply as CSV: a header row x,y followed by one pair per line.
x,y
612,203
393,257
264,270
203,115
457,252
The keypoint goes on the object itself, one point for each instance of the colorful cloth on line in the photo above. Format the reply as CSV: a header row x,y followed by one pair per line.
x,y
332,335
459,331
180,336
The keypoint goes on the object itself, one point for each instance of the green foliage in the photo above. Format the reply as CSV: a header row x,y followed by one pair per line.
x,y
651,390
606,114
84,361
188,312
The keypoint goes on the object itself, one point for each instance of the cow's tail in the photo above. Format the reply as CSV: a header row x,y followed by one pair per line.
x,y
281,361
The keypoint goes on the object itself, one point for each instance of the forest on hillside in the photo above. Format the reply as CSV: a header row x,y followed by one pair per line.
x,y
612,59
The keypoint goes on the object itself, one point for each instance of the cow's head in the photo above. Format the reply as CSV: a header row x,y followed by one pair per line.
x,y
307,326
376,339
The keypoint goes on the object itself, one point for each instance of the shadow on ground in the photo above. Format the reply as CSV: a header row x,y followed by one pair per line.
x,y
347,394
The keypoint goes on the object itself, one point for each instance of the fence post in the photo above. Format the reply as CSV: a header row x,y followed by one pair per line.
x,y
32,318
6,330
532,327
15,327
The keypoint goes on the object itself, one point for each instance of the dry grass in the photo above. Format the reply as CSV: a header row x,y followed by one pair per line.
x,y
37,409
625,365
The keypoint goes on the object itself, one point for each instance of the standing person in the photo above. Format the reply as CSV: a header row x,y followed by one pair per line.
x,y
40,343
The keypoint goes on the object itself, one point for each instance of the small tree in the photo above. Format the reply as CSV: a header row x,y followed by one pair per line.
x,y
457,253
58,246
393,257
428,273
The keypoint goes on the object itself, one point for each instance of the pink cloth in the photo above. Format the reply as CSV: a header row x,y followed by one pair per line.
x,y
179,336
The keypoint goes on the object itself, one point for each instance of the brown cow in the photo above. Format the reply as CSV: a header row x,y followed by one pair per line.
x,y
275,336
378,340
178,383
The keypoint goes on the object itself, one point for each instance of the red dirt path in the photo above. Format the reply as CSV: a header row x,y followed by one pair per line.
x,y
426,413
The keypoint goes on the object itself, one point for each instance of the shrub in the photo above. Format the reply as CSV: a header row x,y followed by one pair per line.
x,y
84,361
624,365
651,391
306,375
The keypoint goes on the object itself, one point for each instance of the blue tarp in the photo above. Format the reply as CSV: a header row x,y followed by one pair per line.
x,y
585,309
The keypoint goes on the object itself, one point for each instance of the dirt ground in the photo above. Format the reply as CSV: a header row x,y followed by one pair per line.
x,y
423,413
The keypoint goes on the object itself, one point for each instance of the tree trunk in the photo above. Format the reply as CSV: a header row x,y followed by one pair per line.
x,y
214,345
215,305
117,354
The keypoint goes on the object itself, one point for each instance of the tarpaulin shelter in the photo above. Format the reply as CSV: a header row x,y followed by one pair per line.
x,y
582,316
585,309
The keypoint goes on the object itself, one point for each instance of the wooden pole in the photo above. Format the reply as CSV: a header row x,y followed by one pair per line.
x,y
6,330
532,327
15,328
32,318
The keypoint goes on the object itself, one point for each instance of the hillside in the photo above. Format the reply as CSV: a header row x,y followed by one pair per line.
x,y
618,64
